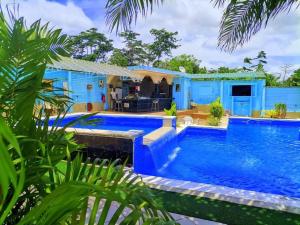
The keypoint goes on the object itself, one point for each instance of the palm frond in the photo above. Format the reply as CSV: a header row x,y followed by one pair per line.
x,y
21,50
244,18
13,170
97,193
120,14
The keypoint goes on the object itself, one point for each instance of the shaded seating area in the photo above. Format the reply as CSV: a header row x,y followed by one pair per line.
x,y
140,94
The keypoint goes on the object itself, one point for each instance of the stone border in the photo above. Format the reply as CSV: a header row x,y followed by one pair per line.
x,y
223,193
262,119
120,115
131,134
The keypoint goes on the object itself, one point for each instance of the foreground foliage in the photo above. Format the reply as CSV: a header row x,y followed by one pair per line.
x,y
34,187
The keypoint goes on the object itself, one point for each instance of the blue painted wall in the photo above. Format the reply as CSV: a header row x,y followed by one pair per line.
x,y
243,105
205,92
289,96
201,92
182,97
80,93
58,76
77,84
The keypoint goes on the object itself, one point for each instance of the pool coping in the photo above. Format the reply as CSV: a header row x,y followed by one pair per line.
x,y
131,134
223,193
119,115
267,119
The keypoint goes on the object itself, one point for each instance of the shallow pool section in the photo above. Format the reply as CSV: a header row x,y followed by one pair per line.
x,y
116,122
255,155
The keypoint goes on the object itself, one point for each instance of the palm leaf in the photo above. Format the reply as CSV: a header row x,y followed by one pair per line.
x,y
13,172
244,18
89,192
121,13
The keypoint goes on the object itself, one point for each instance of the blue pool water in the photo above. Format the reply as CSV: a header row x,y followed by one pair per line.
x,y
253,155
115,123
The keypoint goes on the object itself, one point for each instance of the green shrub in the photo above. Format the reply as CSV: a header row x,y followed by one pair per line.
x,y
216,109
172,111
280,109
213,121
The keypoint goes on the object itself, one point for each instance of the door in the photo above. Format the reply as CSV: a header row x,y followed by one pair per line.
x,y
241,100
241,106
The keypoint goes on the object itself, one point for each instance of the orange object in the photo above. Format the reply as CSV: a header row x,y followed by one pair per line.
x,y
89,107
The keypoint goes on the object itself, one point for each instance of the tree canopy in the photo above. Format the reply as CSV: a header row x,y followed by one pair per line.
x,y
118,58
164,43
91,45
189,62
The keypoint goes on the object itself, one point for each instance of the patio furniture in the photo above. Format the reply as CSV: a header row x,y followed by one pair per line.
x,y
119,105
155,105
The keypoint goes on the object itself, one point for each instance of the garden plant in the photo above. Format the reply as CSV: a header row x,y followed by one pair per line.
x,y
36,186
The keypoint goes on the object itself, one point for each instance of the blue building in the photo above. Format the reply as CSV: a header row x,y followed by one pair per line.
x,y
97,87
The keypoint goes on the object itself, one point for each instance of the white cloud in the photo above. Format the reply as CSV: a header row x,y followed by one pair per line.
x,y
69,17
197,22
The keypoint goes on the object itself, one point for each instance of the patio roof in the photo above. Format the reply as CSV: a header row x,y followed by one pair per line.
x,y
90,67
139,72
210,76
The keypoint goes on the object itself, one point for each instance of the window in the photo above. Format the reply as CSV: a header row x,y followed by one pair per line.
x,y
177,87
241,90
48,84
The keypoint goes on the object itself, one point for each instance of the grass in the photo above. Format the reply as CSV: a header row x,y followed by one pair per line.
x,y
221,211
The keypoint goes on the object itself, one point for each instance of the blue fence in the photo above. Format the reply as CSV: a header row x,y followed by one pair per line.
x,y
288,96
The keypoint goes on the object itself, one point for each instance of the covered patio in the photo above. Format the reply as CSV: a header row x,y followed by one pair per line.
x,y
143,91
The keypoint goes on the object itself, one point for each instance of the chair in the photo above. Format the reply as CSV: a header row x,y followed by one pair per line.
x,y
188,120
119,105
155,105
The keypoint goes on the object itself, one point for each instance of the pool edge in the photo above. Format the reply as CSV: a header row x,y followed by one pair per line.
x,y
223,193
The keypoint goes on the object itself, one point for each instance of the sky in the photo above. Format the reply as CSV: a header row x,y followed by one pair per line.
x,y
196,21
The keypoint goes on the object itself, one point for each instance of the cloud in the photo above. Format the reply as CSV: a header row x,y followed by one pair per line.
x,y
197,22
198,25
70,17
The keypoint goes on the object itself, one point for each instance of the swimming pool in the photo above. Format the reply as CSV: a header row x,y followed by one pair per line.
x,y
116,122
255,155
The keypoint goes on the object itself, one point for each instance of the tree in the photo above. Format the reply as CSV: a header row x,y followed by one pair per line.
x,y
135,50
257,63
164,42
118,58
241,18
285,71
91,45
203,70
35,187
224,69
272,80
294,79
189,62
